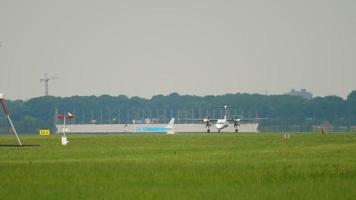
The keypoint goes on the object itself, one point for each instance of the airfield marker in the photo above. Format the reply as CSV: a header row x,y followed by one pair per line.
x,y
64,140
8,117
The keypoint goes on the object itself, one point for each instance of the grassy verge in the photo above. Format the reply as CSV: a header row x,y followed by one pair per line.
x,y
197,166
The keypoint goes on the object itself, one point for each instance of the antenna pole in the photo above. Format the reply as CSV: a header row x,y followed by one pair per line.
x,y
225,111
64,126
46,79
46,87
13,128
8,117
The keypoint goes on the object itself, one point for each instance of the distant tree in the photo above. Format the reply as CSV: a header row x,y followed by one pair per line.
x,y
351,107
284,112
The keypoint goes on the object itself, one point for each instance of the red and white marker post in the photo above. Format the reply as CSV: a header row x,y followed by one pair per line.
x,y
64,117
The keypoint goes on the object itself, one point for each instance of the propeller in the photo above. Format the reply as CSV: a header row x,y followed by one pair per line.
x,y
236,123
207,122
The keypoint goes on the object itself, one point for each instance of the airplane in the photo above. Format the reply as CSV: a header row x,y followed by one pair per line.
x,y
220,124
167,129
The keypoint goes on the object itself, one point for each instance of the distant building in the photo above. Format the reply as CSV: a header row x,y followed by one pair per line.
x,y
302,93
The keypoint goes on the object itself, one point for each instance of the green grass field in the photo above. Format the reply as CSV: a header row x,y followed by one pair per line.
x,y
181,166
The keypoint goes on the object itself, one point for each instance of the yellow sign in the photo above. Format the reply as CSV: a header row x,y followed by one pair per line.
x,y
44,132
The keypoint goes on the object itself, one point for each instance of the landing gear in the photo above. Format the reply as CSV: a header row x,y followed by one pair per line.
x,y
236,125
219,130
207,125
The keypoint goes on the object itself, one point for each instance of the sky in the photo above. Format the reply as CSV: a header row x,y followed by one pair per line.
x,y
197,47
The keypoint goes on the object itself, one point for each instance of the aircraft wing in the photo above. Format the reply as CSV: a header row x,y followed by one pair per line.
x,y
246,119
201,120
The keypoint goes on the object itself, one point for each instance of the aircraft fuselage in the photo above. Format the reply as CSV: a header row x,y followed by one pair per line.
x,y
221,124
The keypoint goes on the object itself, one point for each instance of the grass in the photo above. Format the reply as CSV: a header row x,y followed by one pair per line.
x,y
181,166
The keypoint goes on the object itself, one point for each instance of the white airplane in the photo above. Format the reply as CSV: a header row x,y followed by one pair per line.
x,y
224,123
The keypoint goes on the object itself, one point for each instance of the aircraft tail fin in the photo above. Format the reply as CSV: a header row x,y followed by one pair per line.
x,y
170,124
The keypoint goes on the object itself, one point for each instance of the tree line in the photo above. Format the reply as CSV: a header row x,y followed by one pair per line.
x,y
284,113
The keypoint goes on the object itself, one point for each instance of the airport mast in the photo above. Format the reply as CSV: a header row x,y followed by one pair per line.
x,y
46,79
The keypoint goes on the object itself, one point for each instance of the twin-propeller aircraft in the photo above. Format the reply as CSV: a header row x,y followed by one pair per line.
x,y
220,124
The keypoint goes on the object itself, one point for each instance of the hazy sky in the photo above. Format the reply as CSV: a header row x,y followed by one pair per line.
x,y
144,48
